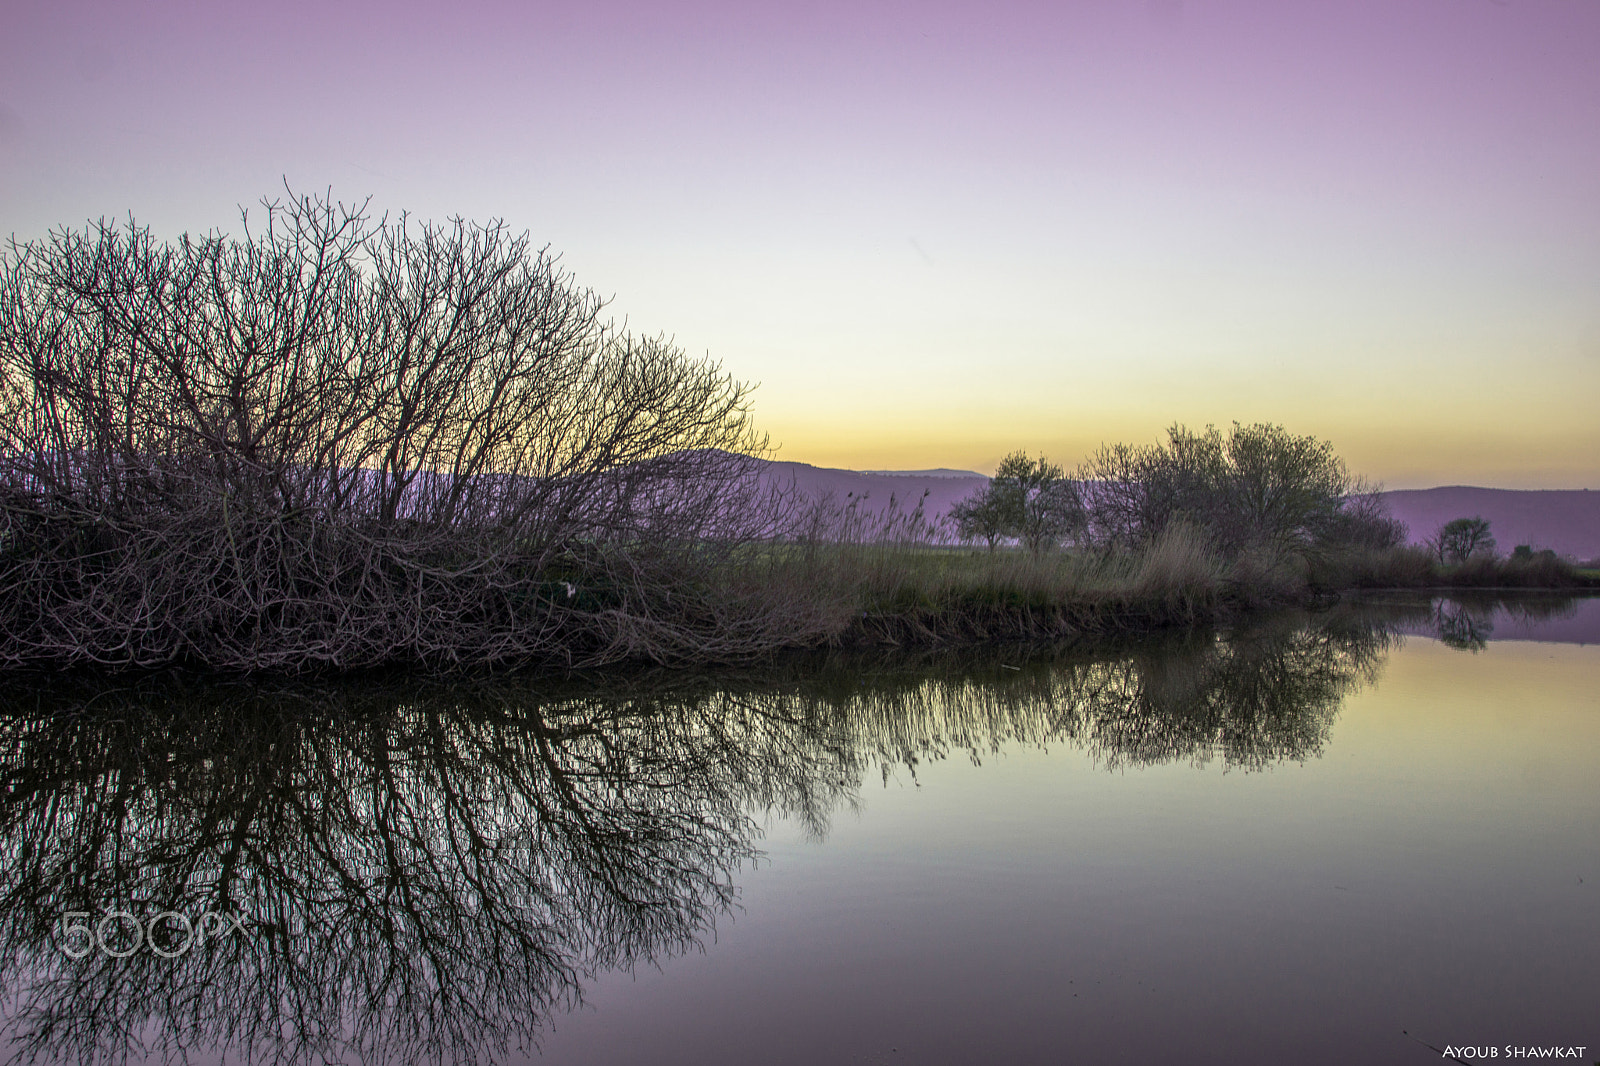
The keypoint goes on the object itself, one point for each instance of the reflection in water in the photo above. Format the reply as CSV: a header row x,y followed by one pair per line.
x,y
1461,627
419,875
1260,696
429,873
1466,620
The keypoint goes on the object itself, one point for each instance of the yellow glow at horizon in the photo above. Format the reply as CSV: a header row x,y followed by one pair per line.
x,y
1407,428
1422,373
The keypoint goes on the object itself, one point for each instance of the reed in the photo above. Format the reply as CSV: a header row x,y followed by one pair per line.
x,y
905,591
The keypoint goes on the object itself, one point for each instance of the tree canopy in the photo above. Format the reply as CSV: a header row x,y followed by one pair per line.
x,y
1028,500
1463,538
1258,485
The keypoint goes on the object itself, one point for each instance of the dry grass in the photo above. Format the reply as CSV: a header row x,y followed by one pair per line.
x,y
907,591
1542,572
1372,568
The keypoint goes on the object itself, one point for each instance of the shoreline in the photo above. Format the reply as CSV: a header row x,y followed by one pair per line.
x,y
911,629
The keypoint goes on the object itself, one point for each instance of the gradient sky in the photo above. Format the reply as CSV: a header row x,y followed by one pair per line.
x,y
933,232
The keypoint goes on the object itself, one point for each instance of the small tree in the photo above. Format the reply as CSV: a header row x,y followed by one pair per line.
x,y
1283,489
980,516
1462,538
1041,507
1027,499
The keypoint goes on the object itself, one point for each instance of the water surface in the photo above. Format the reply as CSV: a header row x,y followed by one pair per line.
x,y
1337,838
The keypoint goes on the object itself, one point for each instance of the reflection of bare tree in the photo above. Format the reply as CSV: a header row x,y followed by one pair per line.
x,y
430,873
1466,620
1465,626
419,876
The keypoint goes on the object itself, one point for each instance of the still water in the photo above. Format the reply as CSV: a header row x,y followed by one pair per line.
x,y
1368,835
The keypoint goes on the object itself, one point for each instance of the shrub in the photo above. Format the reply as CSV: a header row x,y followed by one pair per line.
x,y
345,441
1258,487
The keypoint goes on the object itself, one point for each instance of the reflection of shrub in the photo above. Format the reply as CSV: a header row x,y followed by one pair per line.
x,y
1462,627
426,872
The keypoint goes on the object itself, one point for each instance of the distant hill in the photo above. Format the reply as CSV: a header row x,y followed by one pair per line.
x,y
942,471
879,487
1565,520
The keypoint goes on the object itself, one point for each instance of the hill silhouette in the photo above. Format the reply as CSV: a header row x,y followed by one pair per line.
x,y
1564,520
877,488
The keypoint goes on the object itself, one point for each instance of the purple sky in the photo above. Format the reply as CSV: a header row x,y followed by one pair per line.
x,y
934,233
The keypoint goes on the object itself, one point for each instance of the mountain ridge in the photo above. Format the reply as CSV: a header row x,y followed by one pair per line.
x,y
1566,521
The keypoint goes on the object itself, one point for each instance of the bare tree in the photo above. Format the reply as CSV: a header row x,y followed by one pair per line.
x,y
346,440
1461,539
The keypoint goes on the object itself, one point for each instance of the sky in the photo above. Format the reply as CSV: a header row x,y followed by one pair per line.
x,y
932,233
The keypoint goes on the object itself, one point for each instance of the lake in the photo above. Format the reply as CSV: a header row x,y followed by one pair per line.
x,y
1370,834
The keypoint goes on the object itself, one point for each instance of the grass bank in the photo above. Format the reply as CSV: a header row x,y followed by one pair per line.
x,y
1411,567
911,594
366,603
